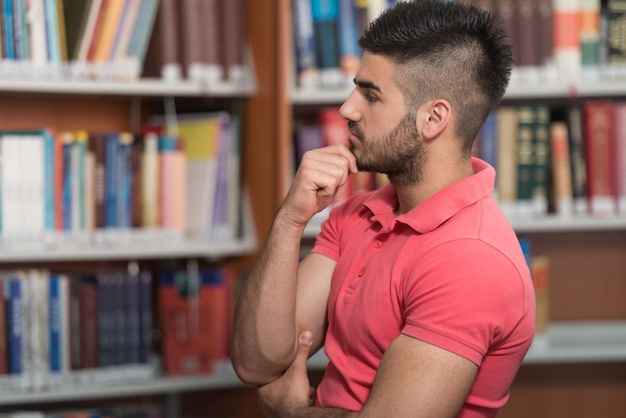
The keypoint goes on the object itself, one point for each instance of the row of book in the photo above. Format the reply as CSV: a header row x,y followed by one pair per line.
x,y
74,329
180,179
113,39
563,38
97,328
567,162
200,40
69,38
551,39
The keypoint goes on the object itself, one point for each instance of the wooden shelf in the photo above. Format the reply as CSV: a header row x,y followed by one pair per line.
x,y
140,387
142,87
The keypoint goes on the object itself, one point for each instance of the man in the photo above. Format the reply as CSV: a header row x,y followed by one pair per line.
x,y
418,291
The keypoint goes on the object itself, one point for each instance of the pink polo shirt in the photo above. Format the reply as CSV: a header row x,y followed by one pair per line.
x,y
450,272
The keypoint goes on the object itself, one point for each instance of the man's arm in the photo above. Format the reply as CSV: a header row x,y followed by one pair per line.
x,y
282,297
415,379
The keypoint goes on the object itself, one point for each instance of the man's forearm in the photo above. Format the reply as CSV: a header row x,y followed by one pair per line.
x,y
265,325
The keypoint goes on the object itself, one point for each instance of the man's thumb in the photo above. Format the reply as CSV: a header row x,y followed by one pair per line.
x,y
305,342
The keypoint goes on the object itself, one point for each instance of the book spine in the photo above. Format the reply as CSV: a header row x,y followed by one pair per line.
x,y
619,153
306,60
561,173
325,25
567,48
598,121
578,164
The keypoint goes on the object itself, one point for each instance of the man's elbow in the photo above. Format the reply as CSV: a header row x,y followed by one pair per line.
x,y
251,374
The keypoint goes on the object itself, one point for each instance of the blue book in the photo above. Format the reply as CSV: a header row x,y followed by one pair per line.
x,y
15,325
305,49
52,31
54,315
7,36
488,141
123,200
349,32
326,27
68,143
145,316
111,181
49,163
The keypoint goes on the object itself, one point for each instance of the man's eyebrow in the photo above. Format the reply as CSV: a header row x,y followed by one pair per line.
x,y
367,85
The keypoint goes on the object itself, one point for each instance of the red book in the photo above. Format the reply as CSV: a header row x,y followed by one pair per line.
x,y
184,309
598,131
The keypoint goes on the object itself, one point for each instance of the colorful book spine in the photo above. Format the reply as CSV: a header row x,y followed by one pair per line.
x,y
306,60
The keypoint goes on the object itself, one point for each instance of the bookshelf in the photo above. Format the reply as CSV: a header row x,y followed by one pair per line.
x,y
106,104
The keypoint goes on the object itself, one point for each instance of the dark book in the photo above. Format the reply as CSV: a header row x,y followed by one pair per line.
x,y
163,58
577,157
528,38
233,27
211,49
192,38
88,310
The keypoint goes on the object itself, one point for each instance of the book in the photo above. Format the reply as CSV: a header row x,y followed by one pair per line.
x,y
506,178
193,43
164,49
566,31
233,27
214,70
529,61
506,13
598,131
619,154
173,181
127,21
131,62
578,164
541,157
525,158
145,316
546,34
326,29
561,170
590,36
615,49
349,32
185,313
150,190
88,34
305,50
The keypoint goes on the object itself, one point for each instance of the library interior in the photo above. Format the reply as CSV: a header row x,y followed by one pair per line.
x,y
163,136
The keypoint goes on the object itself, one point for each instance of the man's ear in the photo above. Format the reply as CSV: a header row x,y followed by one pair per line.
x,y
436,116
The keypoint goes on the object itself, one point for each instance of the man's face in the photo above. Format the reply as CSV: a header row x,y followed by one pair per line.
x,y
384,137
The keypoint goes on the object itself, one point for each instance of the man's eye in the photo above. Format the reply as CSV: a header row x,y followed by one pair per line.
x,y
371,98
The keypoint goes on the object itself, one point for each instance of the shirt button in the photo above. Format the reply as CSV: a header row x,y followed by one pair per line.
x,y
361,272
378,244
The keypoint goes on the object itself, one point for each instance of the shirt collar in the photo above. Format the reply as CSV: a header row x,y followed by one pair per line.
x,y
438,208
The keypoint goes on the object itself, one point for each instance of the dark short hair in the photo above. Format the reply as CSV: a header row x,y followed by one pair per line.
x,y
449,50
